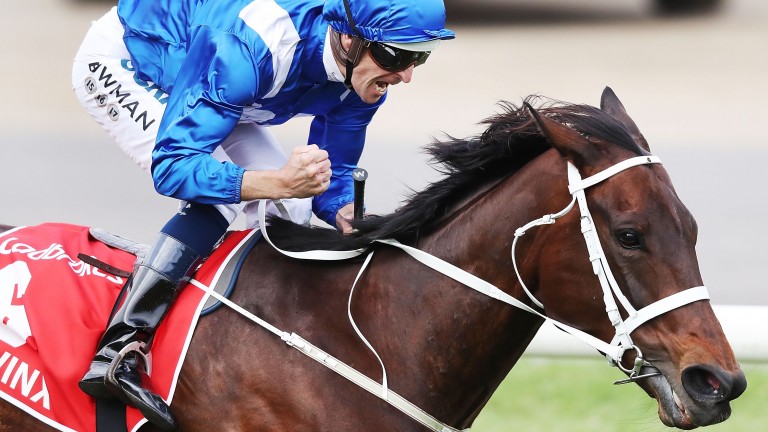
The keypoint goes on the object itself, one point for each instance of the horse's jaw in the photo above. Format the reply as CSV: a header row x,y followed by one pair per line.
x,y
677,409
672,412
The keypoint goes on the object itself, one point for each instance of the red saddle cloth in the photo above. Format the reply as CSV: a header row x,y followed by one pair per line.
x,y
54,309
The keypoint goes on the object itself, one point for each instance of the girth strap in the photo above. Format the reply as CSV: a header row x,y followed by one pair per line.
x,y
110,416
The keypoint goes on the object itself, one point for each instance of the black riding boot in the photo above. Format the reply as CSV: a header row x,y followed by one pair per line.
x,y
153,288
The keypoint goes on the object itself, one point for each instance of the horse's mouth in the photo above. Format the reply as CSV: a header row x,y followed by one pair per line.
x,y
677,409
672,411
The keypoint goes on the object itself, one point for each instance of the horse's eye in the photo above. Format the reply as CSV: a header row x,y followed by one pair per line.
x,y
629,239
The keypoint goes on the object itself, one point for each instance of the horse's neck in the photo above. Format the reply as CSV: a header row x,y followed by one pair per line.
x,y
445,347
474,340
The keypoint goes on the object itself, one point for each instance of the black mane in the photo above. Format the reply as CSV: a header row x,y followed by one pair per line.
x,y
511,140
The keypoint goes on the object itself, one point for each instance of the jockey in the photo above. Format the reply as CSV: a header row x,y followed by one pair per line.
x,y
187,87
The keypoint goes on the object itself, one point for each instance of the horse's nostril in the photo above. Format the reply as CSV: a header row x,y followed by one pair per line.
x,y
714,384
702,385
706,384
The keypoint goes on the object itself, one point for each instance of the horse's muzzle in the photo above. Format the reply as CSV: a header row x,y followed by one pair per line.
x,y
704,399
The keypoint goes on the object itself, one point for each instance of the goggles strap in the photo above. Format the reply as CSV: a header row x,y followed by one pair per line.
x,y
351,20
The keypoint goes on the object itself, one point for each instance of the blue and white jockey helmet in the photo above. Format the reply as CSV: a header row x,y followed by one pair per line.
x,y
414,25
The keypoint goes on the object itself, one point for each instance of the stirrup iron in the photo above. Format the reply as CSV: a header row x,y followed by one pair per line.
x,y
136,347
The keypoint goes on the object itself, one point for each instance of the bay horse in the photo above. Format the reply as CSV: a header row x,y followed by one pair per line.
x,y
447,348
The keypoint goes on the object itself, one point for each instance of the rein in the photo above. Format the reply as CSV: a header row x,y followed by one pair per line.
x,y
614,351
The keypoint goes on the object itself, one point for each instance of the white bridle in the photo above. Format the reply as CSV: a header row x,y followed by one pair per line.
x,y
613,350
622,341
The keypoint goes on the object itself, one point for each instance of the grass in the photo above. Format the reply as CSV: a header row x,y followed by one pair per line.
x,y
578,395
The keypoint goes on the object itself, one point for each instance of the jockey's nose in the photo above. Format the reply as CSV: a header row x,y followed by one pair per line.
x,y
407,74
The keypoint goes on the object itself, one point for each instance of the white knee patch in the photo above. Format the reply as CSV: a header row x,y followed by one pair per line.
x,y
299,209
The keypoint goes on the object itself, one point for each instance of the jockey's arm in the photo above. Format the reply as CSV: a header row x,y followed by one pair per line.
x,y
199,118
204,107
341,132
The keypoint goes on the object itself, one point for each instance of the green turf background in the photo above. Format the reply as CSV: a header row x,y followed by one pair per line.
x,y
578,395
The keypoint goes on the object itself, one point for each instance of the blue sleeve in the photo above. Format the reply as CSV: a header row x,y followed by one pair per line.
x,y
218,78
341,133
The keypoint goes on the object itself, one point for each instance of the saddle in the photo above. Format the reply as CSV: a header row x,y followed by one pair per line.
x,y
56,302
224,285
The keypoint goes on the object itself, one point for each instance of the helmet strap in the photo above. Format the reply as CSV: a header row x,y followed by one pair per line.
x,y
358,43
353,58
349,58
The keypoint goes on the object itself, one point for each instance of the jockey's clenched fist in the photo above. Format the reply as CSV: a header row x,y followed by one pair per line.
x,y
306,174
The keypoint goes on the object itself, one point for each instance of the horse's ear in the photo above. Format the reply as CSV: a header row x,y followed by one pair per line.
x,y
611,104
567,141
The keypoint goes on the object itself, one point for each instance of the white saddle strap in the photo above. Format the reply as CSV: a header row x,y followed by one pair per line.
x,y
341,368
370,385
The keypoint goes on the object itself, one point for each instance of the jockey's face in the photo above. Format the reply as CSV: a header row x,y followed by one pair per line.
x,y
369,80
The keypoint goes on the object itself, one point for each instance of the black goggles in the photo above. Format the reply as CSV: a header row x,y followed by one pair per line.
x,y
395,59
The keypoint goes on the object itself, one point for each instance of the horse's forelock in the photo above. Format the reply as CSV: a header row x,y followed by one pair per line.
x,y
595,123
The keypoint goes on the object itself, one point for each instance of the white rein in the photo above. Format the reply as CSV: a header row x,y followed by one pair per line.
x,y
613,351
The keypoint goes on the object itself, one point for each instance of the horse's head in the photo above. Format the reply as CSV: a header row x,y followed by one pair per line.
x,y
648,237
